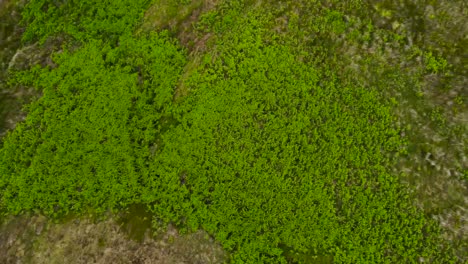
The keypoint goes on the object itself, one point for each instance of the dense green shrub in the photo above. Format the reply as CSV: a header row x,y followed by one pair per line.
x,y
278,154
274,152
85,142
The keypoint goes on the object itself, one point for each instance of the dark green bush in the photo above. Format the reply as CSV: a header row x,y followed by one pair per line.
x,y
82,19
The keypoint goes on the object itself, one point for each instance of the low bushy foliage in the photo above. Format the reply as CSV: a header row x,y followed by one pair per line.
x,y
276,153
85,142
279,157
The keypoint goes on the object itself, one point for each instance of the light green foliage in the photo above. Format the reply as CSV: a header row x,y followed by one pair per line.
x,y
85,142
435,64
295,161
437,116
275,152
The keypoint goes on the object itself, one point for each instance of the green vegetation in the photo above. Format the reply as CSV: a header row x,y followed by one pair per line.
x,y
279,149
82,20
88,137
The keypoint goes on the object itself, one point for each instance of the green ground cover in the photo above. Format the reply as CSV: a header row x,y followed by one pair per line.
x,y
278,150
